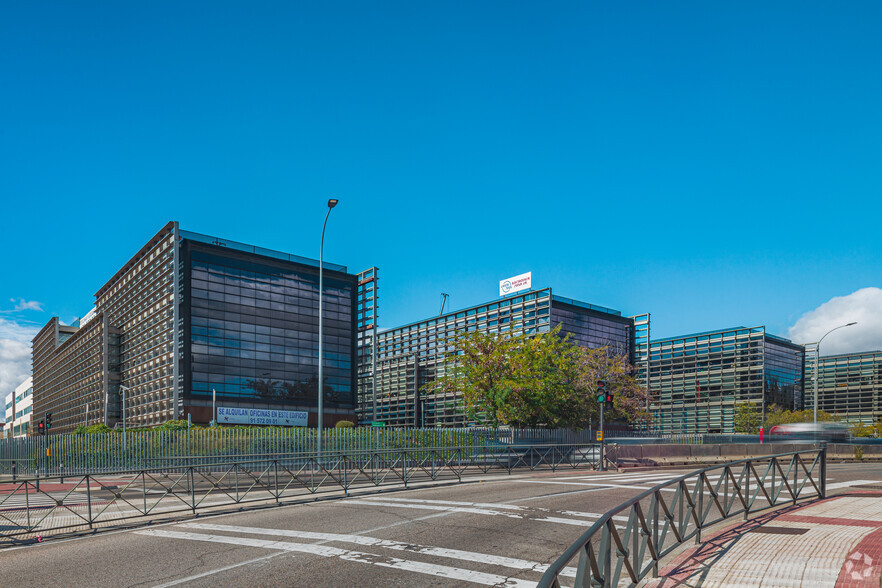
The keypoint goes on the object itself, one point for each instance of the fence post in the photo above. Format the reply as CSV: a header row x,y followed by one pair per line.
x,y
823,473
192,490
89,498
13,470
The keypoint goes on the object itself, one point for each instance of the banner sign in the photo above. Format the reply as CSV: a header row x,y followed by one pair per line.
x,y
516,284
257,416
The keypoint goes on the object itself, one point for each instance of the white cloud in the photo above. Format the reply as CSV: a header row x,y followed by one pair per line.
x,y
23,304
15,354
863,306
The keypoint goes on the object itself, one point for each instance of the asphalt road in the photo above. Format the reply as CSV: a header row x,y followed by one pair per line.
x,y
498,530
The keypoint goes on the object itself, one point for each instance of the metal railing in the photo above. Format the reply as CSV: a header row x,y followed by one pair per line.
x,y
613,552
46,505
88,453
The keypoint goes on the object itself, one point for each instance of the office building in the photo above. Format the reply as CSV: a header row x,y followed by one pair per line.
x,y
190,316
849,386
697,381
19,410
409,357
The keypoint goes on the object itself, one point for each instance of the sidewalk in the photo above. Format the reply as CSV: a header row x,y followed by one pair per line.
x,y
835,542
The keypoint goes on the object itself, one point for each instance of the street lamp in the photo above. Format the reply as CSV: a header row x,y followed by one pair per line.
x,y
123,388
331,204
817,363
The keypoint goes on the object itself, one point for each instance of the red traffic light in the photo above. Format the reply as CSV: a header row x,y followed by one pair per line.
x,y
601,384
608,397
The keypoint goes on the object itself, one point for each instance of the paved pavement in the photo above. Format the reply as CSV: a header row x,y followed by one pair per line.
x,y
501,530
834,542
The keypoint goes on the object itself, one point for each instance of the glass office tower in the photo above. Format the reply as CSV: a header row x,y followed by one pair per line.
x,y
191,315
848,387
409,357
697,381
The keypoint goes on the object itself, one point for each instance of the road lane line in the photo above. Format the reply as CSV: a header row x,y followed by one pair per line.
x,y
485,558
450,503
436,570
443,508
598,484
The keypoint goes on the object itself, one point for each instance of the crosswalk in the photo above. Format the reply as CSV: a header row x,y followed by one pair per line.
x,y
461,566
234,535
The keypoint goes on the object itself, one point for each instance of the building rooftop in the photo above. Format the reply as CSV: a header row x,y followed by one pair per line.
x,y
727,330
217,241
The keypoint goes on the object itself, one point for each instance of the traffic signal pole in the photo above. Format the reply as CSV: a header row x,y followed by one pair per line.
x,y
602,439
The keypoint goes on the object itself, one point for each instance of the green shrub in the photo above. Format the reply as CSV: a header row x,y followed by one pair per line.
x,y
98,429
179,425
858,452
344,425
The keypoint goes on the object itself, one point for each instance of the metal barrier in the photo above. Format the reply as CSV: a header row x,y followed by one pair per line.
x,y
39,506
101,452
610,553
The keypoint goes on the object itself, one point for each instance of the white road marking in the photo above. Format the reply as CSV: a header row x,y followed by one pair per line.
x,y
484,558
440,507
590,515
467,510
623,477
851,483
451,503
440,571
593,484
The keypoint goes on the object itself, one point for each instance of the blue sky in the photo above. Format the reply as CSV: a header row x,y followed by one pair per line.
x,y
715,164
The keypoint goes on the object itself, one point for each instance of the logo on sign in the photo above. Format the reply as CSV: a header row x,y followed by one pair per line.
x,y
516,284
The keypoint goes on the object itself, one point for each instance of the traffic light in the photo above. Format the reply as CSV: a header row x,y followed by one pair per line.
x,y
601,391
48,421
41,428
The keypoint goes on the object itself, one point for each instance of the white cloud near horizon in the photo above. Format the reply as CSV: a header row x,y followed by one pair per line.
x,y
15,354
863,306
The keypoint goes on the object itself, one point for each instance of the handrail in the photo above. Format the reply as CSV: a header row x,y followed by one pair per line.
x,y
629,550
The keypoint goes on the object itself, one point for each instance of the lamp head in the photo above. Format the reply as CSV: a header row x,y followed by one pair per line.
x,y
849,324
332,202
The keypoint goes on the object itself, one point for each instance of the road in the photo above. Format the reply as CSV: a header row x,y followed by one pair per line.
x,y
494,530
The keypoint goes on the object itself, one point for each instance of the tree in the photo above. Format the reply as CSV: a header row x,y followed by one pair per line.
x,y
776,416
747,418
862,430
527,380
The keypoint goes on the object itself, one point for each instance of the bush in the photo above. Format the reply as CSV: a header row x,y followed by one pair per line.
x,y
98,429
344,425
861,430
179,425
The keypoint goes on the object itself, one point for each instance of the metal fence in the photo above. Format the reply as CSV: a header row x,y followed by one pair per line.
x,y
35,507
627,543
86,453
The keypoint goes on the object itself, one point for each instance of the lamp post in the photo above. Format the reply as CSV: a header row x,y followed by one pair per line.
x,y
123,388
331,204
125,440
817,363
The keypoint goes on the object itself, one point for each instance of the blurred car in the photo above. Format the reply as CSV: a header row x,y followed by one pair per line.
x,y
834,432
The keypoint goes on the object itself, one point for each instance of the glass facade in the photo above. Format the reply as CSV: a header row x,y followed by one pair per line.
x,y
849,385
696,381
234,318
411,356
252,330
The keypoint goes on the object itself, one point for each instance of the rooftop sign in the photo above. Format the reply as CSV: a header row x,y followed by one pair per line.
x,y
516,284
